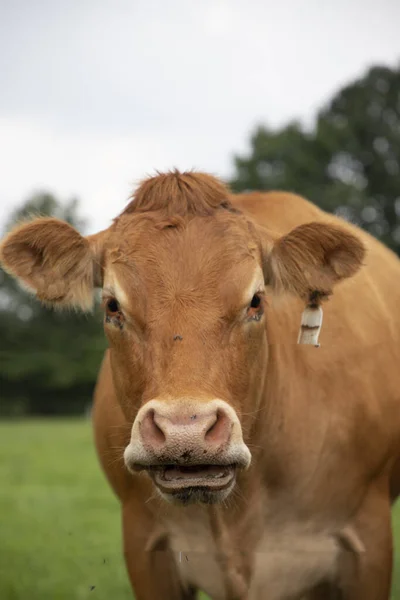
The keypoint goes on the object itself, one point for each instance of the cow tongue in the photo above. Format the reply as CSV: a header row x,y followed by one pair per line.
x,y
196,472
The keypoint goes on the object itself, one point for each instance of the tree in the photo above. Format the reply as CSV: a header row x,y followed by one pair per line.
x,y
360,131
348,163
48,359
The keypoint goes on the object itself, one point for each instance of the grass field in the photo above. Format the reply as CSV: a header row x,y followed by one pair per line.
x,y
60,533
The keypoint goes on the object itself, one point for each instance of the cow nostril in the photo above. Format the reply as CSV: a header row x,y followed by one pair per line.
x,y
150,430
218,432
158,433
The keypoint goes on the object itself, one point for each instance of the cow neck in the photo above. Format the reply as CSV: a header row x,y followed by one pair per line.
x,y
230,559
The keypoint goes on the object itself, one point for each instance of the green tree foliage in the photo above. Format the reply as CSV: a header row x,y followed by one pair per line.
x,y
48,359
347,163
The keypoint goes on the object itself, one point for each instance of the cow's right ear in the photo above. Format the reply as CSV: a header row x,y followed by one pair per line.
x,y
53,261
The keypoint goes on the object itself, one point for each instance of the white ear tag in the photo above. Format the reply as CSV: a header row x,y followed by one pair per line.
x,y
311,321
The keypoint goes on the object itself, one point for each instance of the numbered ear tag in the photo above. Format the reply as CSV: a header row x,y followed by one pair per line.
x,y
311,322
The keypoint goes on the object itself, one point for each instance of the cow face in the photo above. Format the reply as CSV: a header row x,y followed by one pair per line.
x,y
184,314
184,282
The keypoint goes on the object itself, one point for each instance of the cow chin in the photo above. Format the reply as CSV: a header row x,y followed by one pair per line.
x,y
196,495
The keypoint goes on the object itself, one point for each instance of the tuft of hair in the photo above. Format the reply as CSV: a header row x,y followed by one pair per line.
x,y
180,194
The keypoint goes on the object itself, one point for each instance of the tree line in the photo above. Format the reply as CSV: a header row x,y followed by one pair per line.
x,y
347,162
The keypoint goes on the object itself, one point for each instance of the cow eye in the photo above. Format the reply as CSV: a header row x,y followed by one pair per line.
x,y
255,309
112,307
113,313
255,301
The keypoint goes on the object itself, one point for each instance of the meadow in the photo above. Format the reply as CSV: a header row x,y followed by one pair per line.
x,y
60,534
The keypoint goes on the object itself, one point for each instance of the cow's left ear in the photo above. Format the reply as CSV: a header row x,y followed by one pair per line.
x,y
54,261
308,262
312,258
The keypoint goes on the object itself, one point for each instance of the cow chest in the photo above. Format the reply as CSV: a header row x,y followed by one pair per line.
x,y
289,558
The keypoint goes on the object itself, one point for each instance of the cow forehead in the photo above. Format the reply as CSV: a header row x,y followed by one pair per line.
x,y
205,244
201,256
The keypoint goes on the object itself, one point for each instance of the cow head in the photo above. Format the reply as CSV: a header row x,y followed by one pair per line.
x,y
184,280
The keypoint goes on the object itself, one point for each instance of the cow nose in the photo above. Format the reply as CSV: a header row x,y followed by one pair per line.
x,y
186,431
203,429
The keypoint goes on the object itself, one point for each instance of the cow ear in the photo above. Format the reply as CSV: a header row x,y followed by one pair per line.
x,y
308,262
311,259
52,260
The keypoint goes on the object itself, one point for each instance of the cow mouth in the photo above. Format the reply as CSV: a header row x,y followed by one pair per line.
x,y
173,478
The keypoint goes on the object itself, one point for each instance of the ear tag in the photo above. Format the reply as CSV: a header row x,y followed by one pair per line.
x,y
311,321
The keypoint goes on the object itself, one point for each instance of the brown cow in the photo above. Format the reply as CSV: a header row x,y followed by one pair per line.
x,y
246,465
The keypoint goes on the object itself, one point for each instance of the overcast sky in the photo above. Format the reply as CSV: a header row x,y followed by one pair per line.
x,y
96,94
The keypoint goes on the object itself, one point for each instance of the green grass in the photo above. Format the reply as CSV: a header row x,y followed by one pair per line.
x,y
60,531
59,523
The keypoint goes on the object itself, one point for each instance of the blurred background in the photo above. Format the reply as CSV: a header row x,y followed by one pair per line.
x,y
94,96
